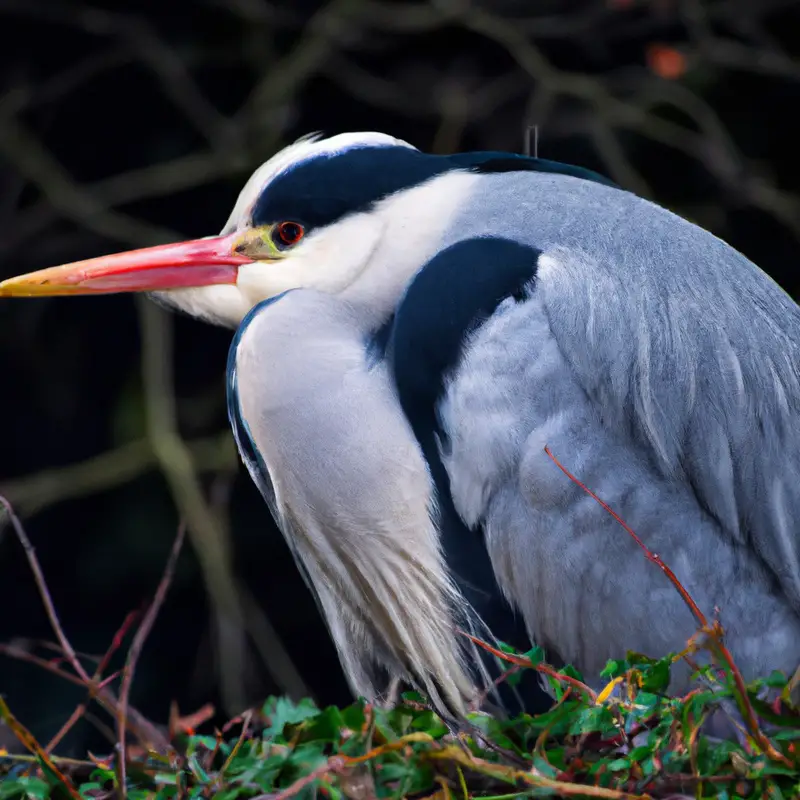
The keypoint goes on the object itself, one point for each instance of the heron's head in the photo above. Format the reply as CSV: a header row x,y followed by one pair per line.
x,y
353,215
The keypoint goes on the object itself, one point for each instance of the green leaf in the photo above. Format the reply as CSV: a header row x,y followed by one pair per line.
x,y
638,753
594,719
232,793
571,672
613,669
776,680
765,711
24,787
353,717
535,655
544,767
282,712
711,758
195,742
647,704
649,766
494,730
430,723
326,726
636,659
656,677
767,767
102,774
513,678
196,769
165,777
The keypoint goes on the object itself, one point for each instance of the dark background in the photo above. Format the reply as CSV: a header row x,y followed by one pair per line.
x,y
125,124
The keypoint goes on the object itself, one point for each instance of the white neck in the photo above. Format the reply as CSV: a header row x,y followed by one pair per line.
x,y
415,222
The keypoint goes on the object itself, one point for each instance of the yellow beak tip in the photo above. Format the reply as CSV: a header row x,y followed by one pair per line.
x,y
14,288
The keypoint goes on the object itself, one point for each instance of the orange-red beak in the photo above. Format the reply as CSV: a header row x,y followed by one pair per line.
x,y
198,262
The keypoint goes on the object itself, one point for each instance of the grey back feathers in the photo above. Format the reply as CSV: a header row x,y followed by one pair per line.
x,y
662,368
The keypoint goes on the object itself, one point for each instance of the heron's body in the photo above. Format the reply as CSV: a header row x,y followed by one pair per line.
x,y
395,411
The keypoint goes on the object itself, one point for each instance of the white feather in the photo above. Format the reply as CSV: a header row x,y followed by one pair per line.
x,y
353,496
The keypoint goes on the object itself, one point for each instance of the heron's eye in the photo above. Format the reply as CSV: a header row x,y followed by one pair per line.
x,y
287,234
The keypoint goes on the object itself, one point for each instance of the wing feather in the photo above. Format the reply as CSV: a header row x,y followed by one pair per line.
x,y
698,360
663,368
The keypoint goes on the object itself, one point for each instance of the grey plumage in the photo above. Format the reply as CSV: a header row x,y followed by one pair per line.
x,y
662,367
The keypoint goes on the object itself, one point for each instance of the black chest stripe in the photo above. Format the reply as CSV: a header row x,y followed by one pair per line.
x,y
450,297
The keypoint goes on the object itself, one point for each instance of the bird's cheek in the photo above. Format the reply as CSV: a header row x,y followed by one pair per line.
x,y
264,279
338,257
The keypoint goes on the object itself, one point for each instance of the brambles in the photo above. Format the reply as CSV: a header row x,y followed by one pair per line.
x,y
634,743
630,740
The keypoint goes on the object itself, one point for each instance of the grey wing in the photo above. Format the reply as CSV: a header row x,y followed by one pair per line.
x,y
695,355
667,381
323,435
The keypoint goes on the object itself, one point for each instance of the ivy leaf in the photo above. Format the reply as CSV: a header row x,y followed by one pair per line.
x,y
282,712
656,677
594,719
613,669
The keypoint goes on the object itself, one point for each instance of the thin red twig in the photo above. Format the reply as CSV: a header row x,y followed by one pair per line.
x,y
41,585
649,554
521,661
79,711
504,676
714,631
98,682
116,642
144,729
334,764
27,739
135,649
12,651
246,717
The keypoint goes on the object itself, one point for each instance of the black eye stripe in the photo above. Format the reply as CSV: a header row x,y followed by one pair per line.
x,y
324,189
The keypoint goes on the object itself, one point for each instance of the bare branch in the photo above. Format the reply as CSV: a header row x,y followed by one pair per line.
x,y
139,638
22,149
33,493
206,527
206,530
147,732
304,60
44,593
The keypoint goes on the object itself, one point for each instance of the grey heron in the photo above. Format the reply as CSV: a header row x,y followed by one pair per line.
x,y
413,329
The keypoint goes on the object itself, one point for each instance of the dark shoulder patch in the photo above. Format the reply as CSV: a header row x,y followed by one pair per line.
x,y
448,297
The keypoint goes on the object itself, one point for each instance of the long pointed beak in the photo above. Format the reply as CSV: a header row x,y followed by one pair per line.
x,y
198,262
